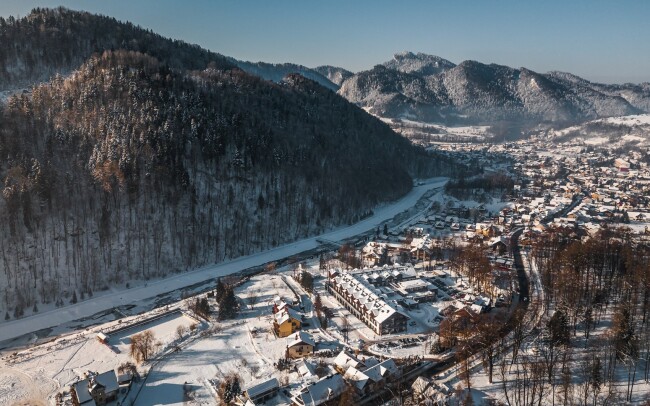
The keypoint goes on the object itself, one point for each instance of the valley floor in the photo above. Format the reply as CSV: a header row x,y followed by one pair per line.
x,y
103,301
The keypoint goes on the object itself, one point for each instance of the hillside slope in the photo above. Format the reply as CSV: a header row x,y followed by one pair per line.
x,y
133,166
51,41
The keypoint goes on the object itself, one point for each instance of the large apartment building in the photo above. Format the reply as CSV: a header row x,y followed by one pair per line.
x,y
365,302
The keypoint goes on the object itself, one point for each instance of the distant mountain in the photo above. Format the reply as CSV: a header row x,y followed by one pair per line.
x,y
390,93
277,72
335,74
158,156
428,88
419,64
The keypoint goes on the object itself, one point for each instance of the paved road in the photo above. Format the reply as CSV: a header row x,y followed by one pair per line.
x,y
102,302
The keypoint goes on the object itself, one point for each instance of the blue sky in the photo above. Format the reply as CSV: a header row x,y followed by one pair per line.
x,y
607,41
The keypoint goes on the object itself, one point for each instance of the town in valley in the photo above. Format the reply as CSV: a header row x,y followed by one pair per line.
x,y
334,226
454,297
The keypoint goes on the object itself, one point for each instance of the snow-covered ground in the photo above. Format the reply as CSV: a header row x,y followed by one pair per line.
x,y
164,329
611,131
103,301
417,130
509,371
245,346
38,373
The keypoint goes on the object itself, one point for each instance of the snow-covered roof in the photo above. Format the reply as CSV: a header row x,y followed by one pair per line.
x,y
107,379
81,388
306,368
262,388
320,392
300,337
381,370
286,314
357,377
370,362
366,294
345,360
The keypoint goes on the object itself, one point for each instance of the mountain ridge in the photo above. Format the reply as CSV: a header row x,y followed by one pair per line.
x,y
436,90
55,41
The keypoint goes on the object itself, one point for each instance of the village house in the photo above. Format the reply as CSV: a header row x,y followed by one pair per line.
x,y
300,344
262,392
345,360
322,391
306,369
96,389
367,380
286,322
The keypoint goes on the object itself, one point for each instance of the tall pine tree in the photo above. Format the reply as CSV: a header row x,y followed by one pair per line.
x,y
228,304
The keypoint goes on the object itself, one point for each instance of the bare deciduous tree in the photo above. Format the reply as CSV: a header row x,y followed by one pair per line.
x,y
143,346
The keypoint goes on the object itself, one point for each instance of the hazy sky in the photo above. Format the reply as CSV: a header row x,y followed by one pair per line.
x,y
607,41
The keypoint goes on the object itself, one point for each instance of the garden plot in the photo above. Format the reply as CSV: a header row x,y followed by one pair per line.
x,y
163,328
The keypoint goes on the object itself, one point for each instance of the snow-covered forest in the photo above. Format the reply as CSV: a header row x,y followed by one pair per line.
x,y
131,168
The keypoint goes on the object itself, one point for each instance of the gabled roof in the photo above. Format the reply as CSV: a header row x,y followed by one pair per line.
x,y
380,371
262,388
306,368
320,392
345,360
81,388
370,362
357,377
299,338
107,379
361,290
286,314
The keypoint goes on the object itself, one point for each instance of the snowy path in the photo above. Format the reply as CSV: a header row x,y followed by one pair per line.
x,y
99,302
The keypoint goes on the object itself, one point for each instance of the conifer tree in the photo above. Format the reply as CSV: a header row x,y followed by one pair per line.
x,y
228,304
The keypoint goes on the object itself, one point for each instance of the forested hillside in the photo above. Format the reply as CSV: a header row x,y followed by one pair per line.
x,y
50,41
135,166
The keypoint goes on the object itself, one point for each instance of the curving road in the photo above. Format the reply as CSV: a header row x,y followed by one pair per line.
x,y
102,302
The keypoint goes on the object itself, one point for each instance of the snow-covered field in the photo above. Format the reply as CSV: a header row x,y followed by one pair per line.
x,y
38,373
103,301
611,131
417,130
163,328
245,346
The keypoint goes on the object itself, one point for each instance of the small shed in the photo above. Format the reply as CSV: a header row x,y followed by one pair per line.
x,y
103,338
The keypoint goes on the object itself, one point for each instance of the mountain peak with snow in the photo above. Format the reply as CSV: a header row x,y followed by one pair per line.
x,y
419,63
432,89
